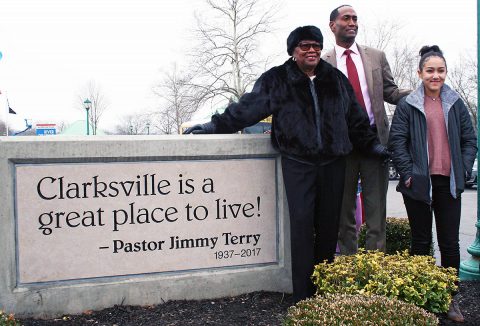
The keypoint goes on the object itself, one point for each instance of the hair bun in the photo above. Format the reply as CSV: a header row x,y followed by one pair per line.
x,y
426,49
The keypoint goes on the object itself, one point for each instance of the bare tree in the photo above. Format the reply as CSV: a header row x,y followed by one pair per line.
x,y
382,35
463,78
6,127
404,65
133,124
3,128
227,59
99,103
402,56
61,126
385,35
178,101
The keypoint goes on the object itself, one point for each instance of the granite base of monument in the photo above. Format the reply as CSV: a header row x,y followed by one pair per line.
x,y
90,222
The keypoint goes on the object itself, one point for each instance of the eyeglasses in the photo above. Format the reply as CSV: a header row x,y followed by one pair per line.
x,y
307,46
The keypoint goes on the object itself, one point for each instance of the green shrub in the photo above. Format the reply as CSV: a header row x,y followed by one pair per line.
x,y
346,309
7,320
413,279
398,235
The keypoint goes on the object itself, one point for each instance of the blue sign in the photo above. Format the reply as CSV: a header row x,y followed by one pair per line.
x,y
46,131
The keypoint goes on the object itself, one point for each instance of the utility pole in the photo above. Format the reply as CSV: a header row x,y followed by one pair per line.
x,y
470,269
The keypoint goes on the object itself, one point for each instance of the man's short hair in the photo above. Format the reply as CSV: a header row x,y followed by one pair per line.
x,y
334,14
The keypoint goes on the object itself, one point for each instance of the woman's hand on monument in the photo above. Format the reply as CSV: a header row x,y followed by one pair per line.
x,y
205,128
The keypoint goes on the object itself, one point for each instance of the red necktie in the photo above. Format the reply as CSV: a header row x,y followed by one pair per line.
x,y
353,78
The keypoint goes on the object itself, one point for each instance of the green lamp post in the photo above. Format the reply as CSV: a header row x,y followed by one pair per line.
x,y
87,104
470,269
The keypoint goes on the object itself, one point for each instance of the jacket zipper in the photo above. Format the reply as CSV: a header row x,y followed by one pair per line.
x,y
317,112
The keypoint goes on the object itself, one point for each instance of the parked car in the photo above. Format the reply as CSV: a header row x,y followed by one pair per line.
x,y
392,172
472,182
262,127
259,128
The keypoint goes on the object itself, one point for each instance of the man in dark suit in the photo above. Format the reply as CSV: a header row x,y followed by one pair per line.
x,y
370,75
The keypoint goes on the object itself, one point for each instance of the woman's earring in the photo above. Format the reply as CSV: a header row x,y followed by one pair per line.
x,y
294,59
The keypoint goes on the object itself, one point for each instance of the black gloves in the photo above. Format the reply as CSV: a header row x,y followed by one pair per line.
x,y
381,152
206,128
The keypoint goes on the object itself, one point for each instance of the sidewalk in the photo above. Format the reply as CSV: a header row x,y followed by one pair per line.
x,y
396,208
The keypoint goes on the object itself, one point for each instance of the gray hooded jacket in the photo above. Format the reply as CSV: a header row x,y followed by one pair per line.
x,y
409,143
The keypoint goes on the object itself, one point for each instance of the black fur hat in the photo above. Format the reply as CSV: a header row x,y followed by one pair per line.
x,y
303,33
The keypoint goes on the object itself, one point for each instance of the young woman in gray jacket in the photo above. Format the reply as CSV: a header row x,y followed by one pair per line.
x,y
434,147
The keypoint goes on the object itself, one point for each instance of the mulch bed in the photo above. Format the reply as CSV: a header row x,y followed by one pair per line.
x,y
469,302
258,308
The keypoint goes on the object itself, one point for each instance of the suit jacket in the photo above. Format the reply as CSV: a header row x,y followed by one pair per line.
x,y
381,86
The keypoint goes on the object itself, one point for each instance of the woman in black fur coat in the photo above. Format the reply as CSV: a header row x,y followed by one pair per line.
x,y
316,121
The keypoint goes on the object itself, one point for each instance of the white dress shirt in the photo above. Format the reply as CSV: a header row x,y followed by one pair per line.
x,y
357,59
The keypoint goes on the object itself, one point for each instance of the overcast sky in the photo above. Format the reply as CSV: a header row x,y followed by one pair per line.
x,y
52,48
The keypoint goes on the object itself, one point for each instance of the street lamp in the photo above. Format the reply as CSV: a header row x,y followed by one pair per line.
x,y
470,269
87,104
148,128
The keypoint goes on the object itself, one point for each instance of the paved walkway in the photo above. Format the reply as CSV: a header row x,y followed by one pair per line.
x,y
396,208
